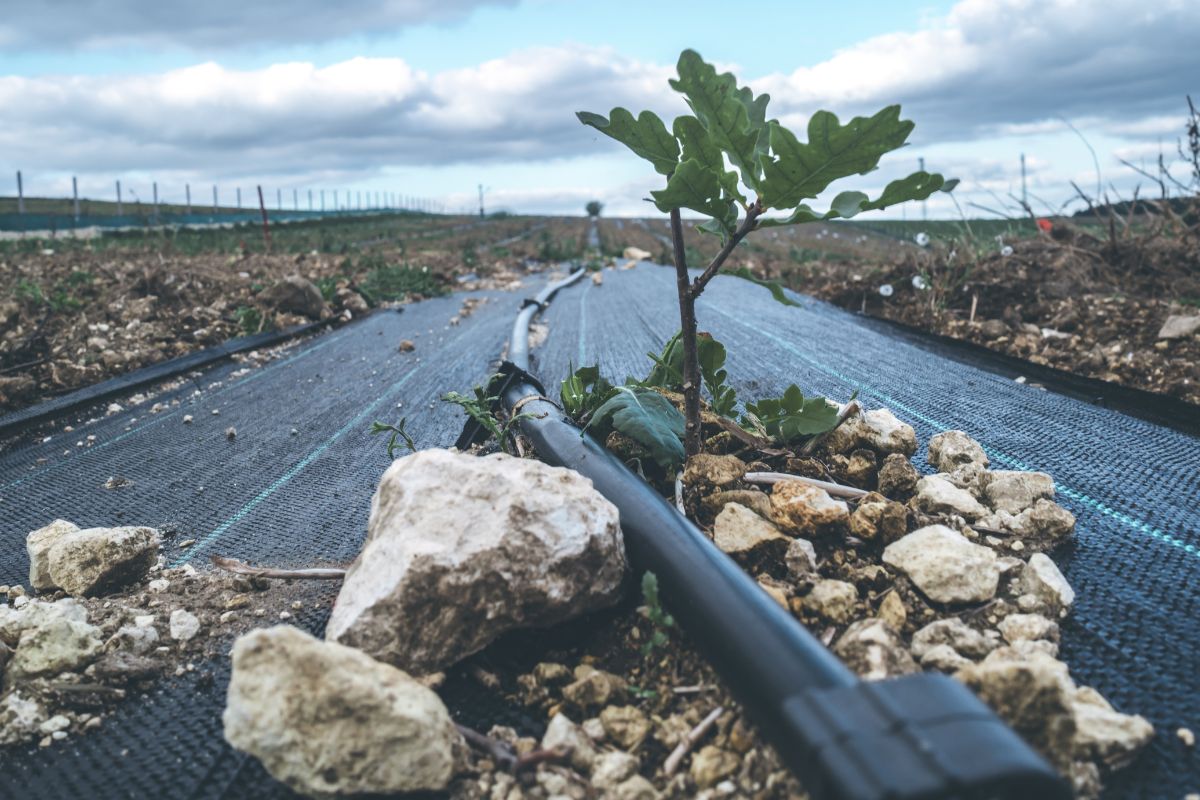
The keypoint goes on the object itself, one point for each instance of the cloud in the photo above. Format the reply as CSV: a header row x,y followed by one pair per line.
x,y
214,24
355,116
993,65
989,71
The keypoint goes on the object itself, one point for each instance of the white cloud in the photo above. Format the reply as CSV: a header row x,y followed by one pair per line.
x,y
990,72
1012,66
214,24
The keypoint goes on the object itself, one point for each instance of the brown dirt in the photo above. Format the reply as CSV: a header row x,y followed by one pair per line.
x,y
73,316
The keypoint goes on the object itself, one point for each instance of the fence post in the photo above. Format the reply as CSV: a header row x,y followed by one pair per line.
x,y
239,198
120,207
310,207
20,194
75,198
295,200
322,199
278,199
214,199
187,192
155,185
262,207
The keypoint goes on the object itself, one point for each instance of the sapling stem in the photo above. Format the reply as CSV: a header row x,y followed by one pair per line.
x,y
689,291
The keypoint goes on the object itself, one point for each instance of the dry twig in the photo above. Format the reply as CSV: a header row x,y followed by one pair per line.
x,y
688,742
242,568
835,489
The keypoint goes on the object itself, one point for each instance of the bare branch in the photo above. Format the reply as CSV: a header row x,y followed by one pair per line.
x,y
242,568
688,742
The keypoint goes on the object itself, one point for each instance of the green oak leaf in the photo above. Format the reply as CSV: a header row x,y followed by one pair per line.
x,y
646,135
697,187
799,171
649,419
698,145
917,186
733,117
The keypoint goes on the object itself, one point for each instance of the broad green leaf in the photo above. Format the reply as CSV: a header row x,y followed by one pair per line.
x,y
917,186
697,187
792,416
733,117
775,288
646,135
649,419
698,145
799,171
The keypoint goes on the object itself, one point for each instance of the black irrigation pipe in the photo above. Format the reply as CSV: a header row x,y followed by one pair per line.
x,y
20,421
919,736
1164,410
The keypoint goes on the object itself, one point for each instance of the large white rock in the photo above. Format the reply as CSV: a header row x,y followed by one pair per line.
x,y
1034,693
55,646
878,429
1012,491
874,650
328,720
1179,326
461,549
1041,578
14,621
737,529
97,560
944,565
881,430
38,544
803,509
937,495
951,449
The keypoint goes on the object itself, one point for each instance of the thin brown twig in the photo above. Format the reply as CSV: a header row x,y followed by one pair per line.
x,y
242,568
688,742
835,489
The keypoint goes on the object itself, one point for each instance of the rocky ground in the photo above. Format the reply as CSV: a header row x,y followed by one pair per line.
x,y
75,313
896,572
1127,313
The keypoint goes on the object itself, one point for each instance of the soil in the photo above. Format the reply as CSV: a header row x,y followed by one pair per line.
x,y
225,606
75,312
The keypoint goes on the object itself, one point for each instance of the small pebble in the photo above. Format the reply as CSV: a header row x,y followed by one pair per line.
x,y
187,419
231,433
1186,736
186,543
216,412
285,615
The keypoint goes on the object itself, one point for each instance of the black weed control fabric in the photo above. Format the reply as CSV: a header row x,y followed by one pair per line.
x,y
284,499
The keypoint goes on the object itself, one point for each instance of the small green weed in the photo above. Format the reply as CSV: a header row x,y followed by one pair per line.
x,y
398,435
653,611
395,282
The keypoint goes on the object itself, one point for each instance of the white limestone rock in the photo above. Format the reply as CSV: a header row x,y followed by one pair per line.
x,y
1041,578
38,544
944,565
874,650
1012,491
956,634
951,449
937,495
738,530
55,646
328,720
461,549
183,625
802,509
882,431
97,560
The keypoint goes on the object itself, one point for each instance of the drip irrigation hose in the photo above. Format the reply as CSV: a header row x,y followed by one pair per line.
x,y
918,736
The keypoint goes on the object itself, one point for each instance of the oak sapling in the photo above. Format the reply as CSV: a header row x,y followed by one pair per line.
x,y
771,170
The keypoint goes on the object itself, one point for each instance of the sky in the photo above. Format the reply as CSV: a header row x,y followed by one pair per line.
x,y
432,98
